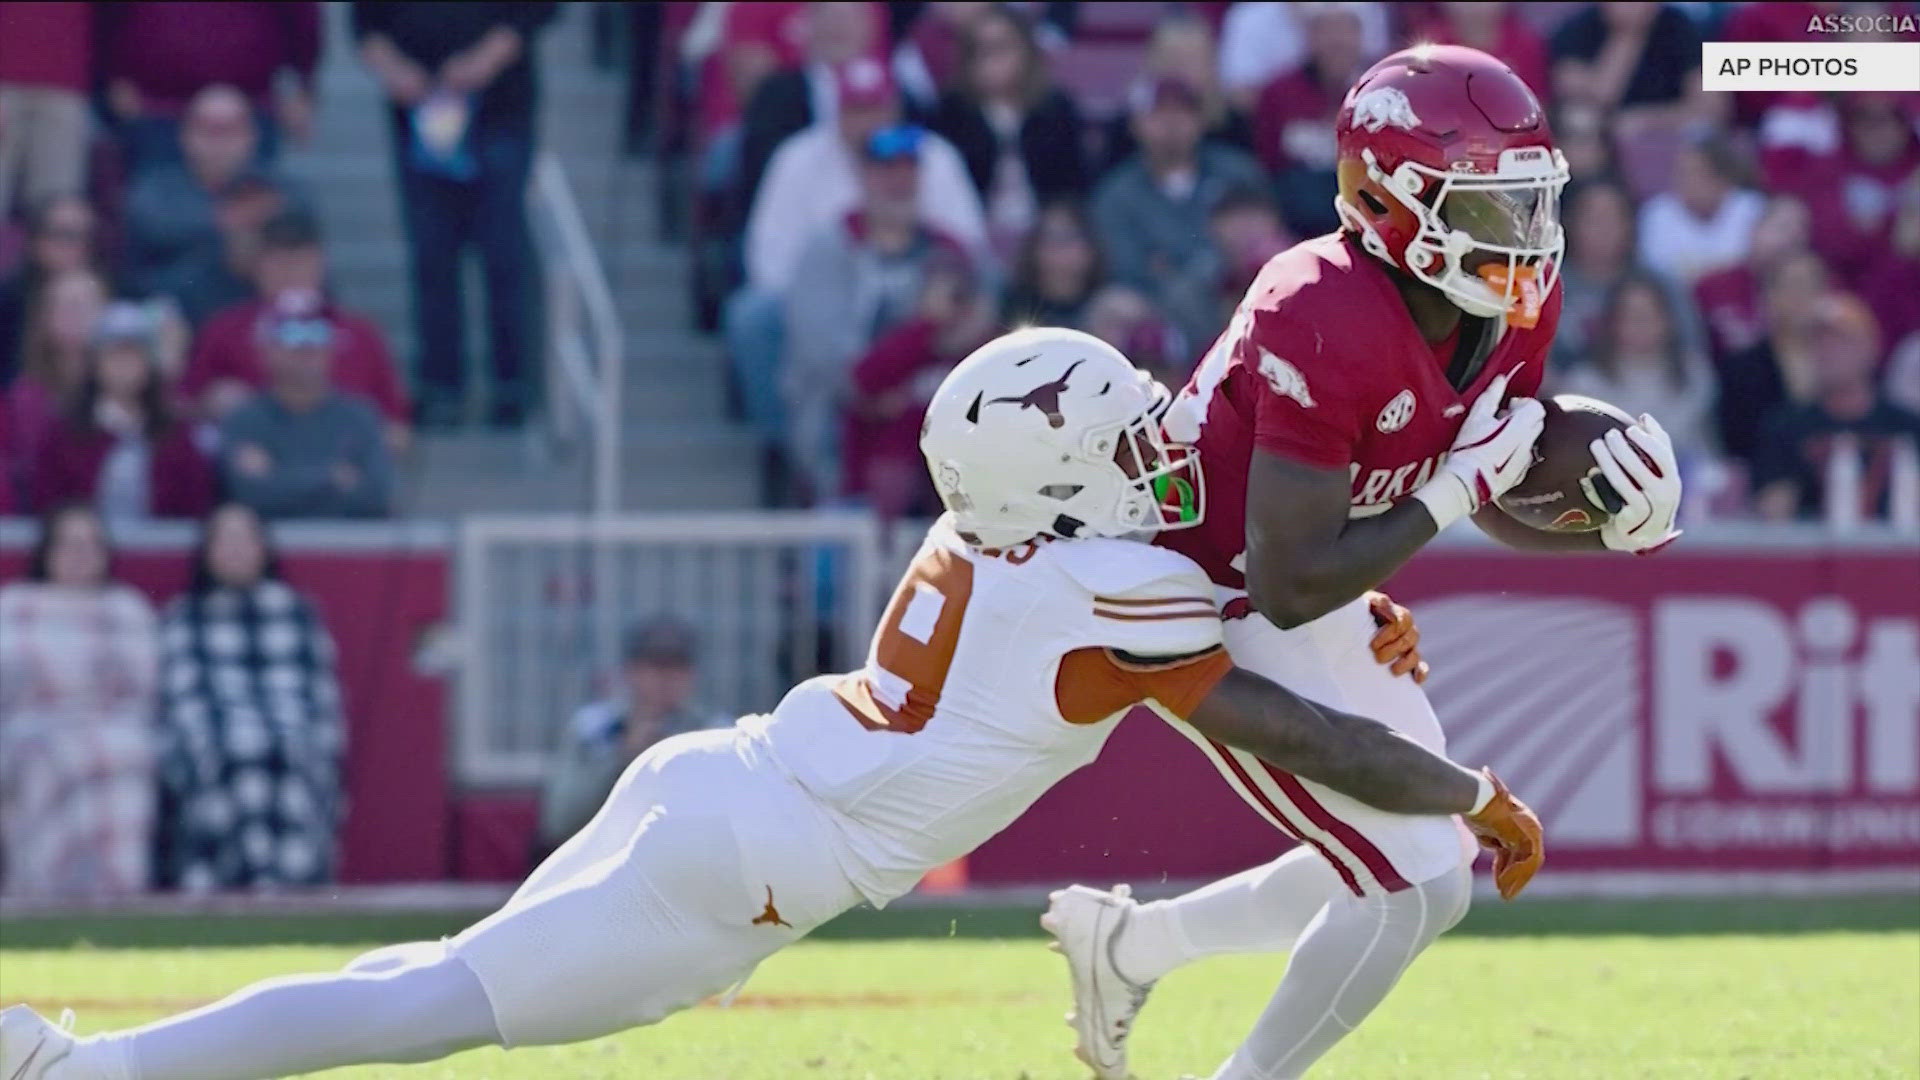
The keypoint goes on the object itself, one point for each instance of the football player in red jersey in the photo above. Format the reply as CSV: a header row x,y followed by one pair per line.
x,y
1374,387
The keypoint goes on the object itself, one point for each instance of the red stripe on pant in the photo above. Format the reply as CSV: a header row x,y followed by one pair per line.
x,y
1247,784
1363,849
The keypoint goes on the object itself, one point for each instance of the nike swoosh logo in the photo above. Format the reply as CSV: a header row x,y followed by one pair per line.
x,y
1454,410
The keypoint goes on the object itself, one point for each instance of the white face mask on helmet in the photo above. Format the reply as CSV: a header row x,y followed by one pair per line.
x,y
1048,431
1490,241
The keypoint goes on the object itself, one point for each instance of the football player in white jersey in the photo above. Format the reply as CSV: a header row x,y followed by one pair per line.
x,y
1027,625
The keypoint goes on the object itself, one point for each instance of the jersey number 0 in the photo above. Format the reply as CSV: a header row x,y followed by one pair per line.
x,y
912,651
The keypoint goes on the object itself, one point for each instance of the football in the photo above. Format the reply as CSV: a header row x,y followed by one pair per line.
x,y
1565,490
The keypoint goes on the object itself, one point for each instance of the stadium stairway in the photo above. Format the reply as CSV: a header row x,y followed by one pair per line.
x,y
681,452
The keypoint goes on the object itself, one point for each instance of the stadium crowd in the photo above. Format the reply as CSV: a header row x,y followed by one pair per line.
x,y
167,333
874,189
884,186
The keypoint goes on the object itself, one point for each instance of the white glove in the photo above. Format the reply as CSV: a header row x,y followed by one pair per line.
x,y
1650,494
1492,452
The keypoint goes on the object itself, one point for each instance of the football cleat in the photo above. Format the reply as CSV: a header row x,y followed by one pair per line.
x,y
1085,923
31,1045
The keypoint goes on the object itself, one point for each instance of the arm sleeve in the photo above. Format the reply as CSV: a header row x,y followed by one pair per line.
x,y
1093,684
1300,413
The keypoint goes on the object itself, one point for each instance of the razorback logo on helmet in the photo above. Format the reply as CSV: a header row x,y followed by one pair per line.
x,y
1384,106
1285,379
1396,413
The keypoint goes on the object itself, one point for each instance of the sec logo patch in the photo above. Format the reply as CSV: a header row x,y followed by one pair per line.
x,y
1396,414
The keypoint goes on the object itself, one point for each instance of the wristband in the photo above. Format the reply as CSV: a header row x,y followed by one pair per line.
x,y
1447,497
1485,796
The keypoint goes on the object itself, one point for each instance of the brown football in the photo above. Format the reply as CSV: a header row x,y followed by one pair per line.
x,y
1565,491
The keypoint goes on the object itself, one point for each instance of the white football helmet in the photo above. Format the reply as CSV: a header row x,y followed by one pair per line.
x,y
1052,431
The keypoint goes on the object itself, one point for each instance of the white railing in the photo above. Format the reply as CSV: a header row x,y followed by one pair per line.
x,y
772,598
585,339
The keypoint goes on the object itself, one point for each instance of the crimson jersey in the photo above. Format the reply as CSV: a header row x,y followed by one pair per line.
x,y
1322,364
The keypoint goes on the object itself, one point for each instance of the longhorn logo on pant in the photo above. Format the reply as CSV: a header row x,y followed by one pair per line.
x,y
1045,397
771,916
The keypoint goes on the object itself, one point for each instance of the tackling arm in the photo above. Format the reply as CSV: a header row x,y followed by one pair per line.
x,y
1351,754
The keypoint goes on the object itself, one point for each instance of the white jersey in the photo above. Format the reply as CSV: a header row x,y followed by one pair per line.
x,y
993,675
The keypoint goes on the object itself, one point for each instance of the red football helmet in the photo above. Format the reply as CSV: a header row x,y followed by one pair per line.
x,y
1448,171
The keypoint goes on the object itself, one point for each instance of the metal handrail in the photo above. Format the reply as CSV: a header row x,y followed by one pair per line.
x,y
590,364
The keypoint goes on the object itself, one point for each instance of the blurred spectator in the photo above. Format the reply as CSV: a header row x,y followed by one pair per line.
x,y
156,58
1780,367
192,225
655,700
1152,213
1631,56
290,274
813,180
1729,300
1497,29
1706,222
1847,414
1599,225
735,48
1128,321
77,671
1640,362
891,385
46,71
931,57
856,280
53,360
1182,50
119,448
1057,271
251,737
789,101
1580,130
1854,193
1293,123
811,187
303,448
461,86
1262,41
1022,138
60,240
1890,283
1246,231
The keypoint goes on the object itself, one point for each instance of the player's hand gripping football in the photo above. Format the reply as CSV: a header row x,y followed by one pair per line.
x,y
1492,452
1397,643
1508,827
1639,464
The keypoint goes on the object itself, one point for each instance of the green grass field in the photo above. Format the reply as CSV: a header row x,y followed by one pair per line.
x,y
1809,990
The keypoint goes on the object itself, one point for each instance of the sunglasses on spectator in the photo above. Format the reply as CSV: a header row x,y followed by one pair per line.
x,y
899,142
301,334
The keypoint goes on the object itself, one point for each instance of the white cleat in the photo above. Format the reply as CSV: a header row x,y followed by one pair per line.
x,y
31,1045
1085,923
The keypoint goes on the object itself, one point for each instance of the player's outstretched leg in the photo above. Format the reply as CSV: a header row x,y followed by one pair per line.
x,y
1116,948
1343,966
282,1026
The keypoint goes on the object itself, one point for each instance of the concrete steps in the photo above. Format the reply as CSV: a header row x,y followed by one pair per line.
x,y
680,450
